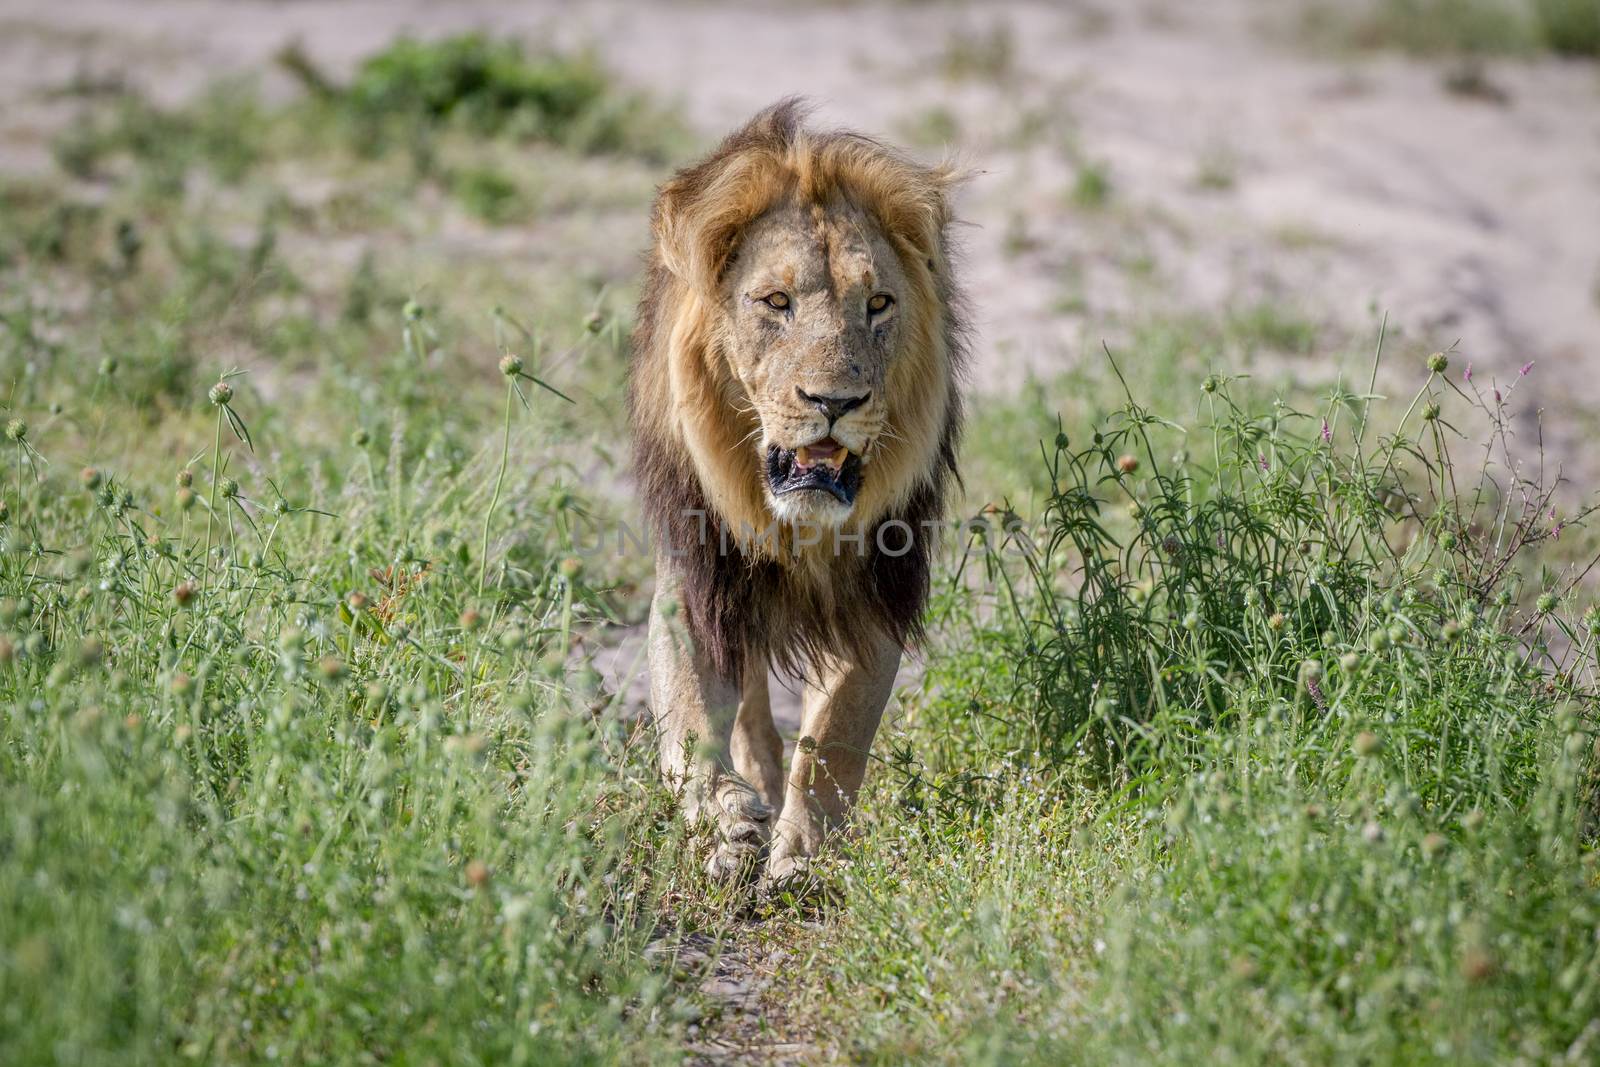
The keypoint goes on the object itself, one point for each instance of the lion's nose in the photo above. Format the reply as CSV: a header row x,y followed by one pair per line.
x,y
834,407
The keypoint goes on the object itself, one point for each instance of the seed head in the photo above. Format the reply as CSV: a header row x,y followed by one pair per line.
x,y
1372,833
1447,540
1438,363
331,668
1430,412
571,567
1276,620
221,393
412,311
182,684
1546,603
1433,844
511,366
228,488
90,478
1127,463
185,498
108,366
361,438
1367,743
477,873
17,430
1591,618
1350,662
1451,630
471,621
1062,442
593,322
358,602
1211,384
185,477
183,593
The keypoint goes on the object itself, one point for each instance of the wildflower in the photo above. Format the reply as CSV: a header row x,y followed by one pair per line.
x,y
1210,384
1350,662
90,478
185,478
229,488
511,366
1467,374
183,592
1546,603
185,498
1433,844
358,601
182,684
1438,363
412,311
1591,618
1327,432
471,621
108,366
477,874
361,438
1372,833
1450,630
1430,412
221,394
1447,540
593,321
17,430
1526,367
1061,442
1367,743
1127,464
1276,620
1261,461
331,668
571,567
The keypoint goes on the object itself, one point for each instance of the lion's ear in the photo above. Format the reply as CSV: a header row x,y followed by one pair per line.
x,y
945,179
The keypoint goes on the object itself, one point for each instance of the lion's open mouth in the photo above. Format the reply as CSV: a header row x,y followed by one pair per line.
x,y
823,466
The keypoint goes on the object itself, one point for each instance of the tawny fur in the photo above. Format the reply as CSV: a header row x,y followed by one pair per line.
x,y
692,422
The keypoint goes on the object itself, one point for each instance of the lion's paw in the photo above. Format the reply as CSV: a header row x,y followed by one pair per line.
x,y
744,826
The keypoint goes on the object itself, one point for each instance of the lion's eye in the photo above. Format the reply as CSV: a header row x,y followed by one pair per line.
x,y
879,303
776,301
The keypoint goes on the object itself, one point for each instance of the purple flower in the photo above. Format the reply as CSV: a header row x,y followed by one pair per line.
x,y
1526,367
1497,397
1467,374
1262,459
1327,434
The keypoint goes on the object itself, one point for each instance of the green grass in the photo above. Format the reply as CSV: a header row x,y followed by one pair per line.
x,y
1248,757
1472,27
1269,745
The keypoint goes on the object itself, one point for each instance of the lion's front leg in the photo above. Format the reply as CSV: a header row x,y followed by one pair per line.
x,y
843,705
694,711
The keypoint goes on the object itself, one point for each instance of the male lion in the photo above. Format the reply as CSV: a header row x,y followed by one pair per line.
x,y
795,417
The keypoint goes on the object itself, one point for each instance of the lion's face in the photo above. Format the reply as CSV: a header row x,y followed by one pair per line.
x,y
813,297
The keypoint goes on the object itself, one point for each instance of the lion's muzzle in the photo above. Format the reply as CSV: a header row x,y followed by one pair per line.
x,y
823,466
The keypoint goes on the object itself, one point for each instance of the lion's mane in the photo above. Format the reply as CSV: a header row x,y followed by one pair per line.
x,y
741,597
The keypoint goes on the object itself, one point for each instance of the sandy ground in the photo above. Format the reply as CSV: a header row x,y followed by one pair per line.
x,y
1242,169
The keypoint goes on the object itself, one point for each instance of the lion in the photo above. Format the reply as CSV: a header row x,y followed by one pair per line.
x,y
793,396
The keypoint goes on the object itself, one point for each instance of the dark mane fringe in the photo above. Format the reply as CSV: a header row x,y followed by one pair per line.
x,y
738,605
